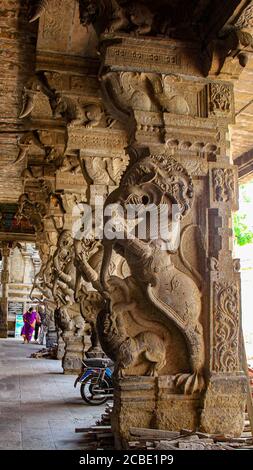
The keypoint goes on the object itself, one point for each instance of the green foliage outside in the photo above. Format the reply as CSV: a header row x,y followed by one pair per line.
x,y
243,219
243,234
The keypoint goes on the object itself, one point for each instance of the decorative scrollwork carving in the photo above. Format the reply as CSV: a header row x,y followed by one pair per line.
x,y
224,184
226,327
105,170
220,99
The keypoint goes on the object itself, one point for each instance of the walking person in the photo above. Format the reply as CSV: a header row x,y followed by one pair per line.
x,y
29,319
37,326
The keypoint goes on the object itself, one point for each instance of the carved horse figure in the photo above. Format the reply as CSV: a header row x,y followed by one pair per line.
x,y
156,181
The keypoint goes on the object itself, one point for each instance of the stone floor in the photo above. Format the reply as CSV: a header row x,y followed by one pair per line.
x,y
39,406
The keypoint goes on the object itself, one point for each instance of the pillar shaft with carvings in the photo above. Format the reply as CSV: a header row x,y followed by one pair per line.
x,y
171,316
5,289
173,327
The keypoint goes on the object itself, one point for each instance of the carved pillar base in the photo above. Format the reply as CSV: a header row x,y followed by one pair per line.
x,y
51,337
75,346
176,411
3,332
134,405
51,334
149,402
61,347
224,405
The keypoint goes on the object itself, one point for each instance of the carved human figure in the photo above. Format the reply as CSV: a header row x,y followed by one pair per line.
x,y
88,259
43,280
65,282
63,270
165,294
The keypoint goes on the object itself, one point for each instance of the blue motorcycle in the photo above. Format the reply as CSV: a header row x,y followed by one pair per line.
x,y
96,380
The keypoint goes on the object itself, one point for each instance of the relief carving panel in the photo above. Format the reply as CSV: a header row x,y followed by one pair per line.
x,y
220,99
226,327
165,289
224,184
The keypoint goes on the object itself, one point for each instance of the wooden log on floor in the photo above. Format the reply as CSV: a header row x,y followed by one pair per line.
x,y
153,433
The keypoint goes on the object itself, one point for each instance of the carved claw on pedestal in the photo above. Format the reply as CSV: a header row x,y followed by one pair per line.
x,y
23,149
24,143
190,383
89,125
152,372
28,103
119,371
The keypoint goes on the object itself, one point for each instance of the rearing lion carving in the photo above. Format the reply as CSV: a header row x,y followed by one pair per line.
x,y
174,296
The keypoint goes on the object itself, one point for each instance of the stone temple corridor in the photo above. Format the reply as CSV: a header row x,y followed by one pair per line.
x,y
40,408
126,130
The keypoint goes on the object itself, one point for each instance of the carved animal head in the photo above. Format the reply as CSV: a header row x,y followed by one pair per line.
x,y
154,183
160,177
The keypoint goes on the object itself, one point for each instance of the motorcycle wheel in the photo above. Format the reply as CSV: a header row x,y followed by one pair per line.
x,y
87,388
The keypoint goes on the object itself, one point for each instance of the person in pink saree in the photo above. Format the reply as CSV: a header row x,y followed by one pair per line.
x,y
29,324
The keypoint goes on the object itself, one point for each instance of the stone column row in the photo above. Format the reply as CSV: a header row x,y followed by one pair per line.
x,y
5,277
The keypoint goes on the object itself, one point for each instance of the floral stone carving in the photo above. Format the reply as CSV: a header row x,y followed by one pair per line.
x,y
224,184
226,327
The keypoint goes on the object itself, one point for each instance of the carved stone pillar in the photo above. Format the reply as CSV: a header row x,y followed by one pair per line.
x,y
41,207
177,316
66,283
5,288
49,205
171,324
27,268
224,402
51,332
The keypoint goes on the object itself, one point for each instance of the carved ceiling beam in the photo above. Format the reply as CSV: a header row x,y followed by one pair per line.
x,y
77,66
238,13
245,166
151,54
233,46
218,14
